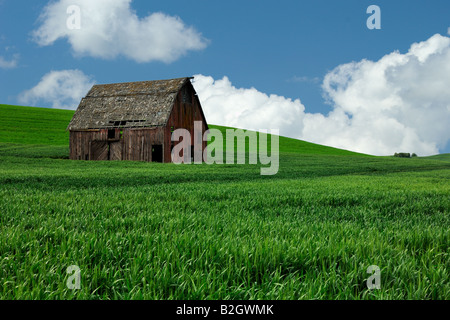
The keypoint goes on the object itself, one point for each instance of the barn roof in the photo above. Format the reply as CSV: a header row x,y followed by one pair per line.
x,y
131,104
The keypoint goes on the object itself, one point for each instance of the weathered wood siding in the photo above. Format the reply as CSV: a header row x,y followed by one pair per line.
x,y
135,144
185,111
138,143
80,142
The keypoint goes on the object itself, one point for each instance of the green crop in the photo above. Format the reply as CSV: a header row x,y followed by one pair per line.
x,y
164,231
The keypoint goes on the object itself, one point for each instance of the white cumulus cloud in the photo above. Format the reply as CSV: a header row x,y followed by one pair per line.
x,y
224,104
400,103
61,89
9,64
110,28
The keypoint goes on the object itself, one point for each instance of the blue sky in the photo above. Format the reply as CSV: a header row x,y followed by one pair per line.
x,y
282,48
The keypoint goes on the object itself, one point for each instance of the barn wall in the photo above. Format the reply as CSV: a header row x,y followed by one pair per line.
x,y
183,116
80,142
138,143
135,144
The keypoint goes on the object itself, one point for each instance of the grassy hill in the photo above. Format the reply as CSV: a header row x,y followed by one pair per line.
x,y
29,125
164,231
44,126
443,157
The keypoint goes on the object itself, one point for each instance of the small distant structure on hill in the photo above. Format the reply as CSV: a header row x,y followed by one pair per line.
x,y
405,155
134,121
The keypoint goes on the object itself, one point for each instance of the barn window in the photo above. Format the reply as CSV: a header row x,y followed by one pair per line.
x,y
187,97
111,133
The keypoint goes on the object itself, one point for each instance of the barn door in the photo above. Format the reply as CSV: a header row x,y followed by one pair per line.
x,y
115,150
99,150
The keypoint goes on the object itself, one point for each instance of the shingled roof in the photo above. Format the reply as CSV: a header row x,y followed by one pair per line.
x,y
131,104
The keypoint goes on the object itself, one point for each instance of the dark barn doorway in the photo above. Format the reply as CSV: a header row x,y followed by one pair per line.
x,y
157,153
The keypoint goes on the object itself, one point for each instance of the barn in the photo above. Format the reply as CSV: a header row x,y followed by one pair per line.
x,y
134,120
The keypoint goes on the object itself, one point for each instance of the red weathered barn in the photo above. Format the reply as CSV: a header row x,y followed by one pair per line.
x,y
134,121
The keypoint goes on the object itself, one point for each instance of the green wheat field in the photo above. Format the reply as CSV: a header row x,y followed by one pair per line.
x,y
164,231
